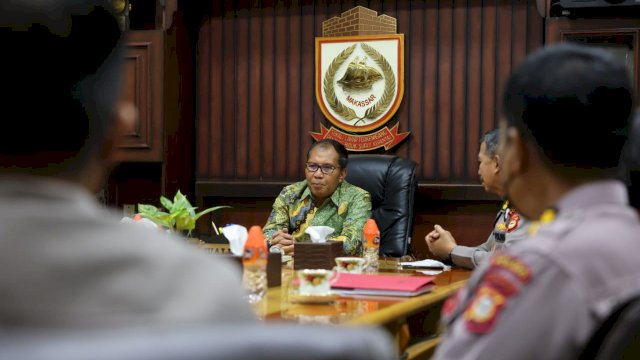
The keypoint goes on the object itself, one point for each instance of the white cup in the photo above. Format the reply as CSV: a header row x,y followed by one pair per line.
x,y
314,281
353,265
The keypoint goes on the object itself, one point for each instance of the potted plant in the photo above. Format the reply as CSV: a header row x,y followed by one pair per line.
x,y
180,216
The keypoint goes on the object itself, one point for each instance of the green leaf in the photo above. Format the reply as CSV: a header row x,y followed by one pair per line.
x,y
154,214
181,214
198,215
166,203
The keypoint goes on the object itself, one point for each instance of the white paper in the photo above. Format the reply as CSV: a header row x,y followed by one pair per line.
x,y
426,263
237,236
319,234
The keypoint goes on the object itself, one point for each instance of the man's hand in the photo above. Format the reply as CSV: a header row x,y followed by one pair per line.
x,y
440,242
284,241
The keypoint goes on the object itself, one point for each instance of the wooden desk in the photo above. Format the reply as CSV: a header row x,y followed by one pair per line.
x,y
412,321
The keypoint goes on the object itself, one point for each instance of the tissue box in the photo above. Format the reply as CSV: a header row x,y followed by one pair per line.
x,y
310,255
274,268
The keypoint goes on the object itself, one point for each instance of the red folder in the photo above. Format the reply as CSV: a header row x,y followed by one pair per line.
x,y
386,285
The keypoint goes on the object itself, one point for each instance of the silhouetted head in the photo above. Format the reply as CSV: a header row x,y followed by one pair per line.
x,y
61,75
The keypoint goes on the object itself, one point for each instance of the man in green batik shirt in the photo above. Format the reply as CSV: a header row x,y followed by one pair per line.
x,y
323,199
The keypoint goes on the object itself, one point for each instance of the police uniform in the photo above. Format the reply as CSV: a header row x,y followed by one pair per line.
x,y
67,263
544,298
509,227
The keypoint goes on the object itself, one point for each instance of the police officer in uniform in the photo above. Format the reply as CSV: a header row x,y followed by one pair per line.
x,y
545,298
509,226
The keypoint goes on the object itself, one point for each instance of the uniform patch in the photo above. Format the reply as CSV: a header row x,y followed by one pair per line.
x,y
501,227
512,265
450,305
501,283
480,316
514,220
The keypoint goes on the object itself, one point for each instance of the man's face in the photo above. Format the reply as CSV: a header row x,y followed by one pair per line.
x,y
323,185
488,170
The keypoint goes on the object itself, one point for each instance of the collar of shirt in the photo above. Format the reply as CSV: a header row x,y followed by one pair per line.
x,y
335,197
596,192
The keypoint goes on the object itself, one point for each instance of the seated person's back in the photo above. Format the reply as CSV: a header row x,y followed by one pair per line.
x,y
545,298
64,261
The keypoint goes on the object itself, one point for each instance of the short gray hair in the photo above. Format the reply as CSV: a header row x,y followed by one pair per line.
x,y
490,139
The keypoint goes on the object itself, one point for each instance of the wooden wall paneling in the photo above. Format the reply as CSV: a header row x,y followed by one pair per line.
x,y
294,89
504,56
203,104
430,93
283,156
269,95
403,15
144,57
535,31
518,48
307,81
215,97
242,97
474,88
444,109
230,94
489,73
458,94
457,57
179,160
255,126
414,41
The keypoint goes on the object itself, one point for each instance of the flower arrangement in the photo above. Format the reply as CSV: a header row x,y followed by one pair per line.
x,y
180,215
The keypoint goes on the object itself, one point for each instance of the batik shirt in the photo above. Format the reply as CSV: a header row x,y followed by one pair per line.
x,y
346,211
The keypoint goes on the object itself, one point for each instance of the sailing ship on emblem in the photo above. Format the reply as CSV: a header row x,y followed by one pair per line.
x,y
359,75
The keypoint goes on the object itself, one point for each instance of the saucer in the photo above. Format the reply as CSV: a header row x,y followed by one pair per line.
x,y
313,298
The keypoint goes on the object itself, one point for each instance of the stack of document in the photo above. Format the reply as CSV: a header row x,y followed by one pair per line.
x,y
382,285
425,264
433,267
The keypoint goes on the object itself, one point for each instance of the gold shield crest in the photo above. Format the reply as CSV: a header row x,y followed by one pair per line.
x,y
359,80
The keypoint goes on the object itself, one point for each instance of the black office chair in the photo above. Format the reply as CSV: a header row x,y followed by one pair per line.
x,y
619,336
391,181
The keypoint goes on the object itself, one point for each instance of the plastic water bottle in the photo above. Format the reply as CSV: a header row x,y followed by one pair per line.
x,y
254,263
371,245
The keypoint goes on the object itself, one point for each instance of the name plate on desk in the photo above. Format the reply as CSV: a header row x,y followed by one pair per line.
x,y
310,255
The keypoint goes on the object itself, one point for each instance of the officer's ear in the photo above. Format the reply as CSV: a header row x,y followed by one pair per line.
x,y
496,163
518,151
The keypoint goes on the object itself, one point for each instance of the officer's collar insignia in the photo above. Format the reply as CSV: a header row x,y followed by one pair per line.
x,y
513,222
549,215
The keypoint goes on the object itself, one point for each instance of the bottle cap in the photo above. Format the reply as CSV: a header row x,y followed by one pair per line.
x,y
255,247
371,233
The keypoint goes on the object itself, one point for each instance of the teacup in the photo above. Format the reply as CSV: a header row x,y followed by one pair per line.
x,y
354,265
314,281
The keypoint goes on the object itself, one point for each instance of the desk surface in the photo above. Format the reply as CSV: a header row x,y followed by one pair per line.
x,y
360,310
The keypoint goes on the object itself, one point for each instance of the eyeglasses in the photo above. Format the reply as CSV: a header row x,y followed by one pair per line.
x,y
326,169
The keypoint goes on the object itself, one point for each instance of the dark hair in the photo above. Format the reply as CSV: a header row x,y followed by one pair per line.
x,y
574,102
61,75
490,139
343,155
